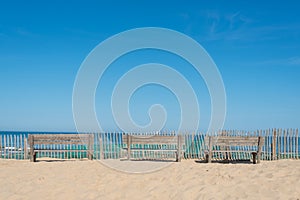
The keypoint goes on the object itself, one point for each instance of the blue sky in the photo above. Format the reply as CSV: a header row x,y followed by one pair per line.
x,y
255,45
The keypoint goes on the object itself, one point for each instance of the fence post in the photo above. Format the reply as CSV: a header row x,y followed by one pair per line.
x,y
209,150
1,147
90,146
101,146
25,148
128,146
297,145
273,145
279,140
31,145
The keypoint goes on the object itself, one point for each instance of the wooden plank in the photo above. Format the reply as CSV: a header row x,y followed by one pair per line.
x,y
210,150
25,148
57,142
101,145
235,143
178,159
31,144
41,136
291,142
14,147
4,144
279,136
128,146
10,145
111,145
115,146
260,144
297,145
274,145
1,146
233,151
284,143
244,138
91,146
60,139
59,150
155,141
153,150
18,146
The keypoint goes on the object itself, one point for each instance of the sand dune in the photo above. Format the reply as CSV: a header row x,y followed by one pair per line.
x,y
185,180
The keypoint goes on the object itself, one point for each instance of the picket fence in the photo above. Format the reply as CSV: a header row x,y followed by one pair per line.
x,y
278,144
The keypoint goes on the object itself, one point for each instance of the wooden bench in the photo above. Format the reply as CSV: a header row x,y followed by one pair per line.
x,y
234,144
156,143
58,142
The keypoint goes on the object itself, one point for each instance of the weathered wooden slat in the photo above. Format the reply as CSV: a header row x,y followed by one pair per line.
x,y
291,143
10,145
233,141
279,143
148,150
4,143
60,150
232,151
274,145
236,143
15,146
153,140
38,136
58,142
101,146
297,147
1,147
284,143
246,138
25,148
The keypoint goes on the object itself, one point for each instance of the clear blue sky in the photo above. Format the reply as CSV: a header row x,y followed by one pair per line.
x,y
255,44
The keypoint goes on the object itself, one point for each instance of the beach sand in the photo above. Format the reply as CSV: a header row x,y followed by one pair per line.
x,y
75,179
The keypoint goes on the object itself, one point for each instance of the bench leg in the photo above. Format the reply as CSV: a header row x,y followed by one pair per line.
x,y
90,155
178,157
208,156
254,154
34,157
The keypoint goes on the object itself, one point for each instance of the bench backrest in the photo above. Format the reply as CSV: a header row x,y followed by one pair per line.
x,y
49,139
230,141
155,139
234,140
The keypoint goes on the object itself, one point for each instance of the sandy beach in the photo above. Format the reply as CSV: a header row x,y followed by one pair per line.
x,y
75,179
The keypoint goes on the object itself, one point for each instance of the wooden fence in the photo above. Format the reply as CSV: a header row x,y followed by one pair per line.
x,y
279,144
